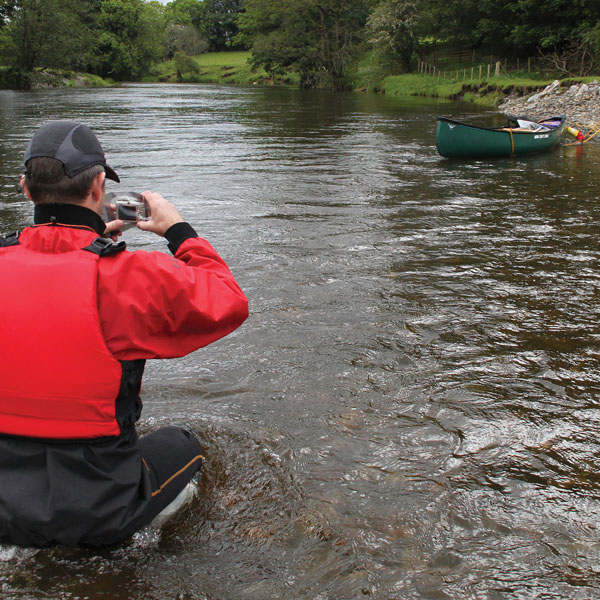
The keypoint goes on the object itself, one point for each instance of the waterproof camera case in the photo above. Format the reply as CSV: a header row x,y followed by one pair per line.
x,y
129,207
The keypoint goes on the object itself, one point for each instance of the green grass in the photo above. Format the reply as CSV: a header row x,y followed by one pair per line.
x,y
482,91
488,91
231,59
370,73
96,81
217,67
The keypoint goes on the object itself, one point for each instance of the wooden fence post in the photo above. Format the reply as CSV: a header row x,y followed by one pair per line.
x,y
488,75
498,65
479,71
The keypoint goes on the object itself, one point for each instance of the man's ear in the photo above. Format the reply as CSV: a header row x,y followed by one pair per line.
x,y
23,184
98,187
26,191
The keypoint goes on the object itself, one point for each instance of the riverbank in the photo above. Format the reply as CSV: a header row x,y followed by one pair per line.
x,y
579,101
579,98
13,79
213,67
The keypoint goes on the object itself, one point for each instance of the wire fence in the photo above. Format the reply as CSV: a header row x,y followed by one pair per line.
x,y
447,69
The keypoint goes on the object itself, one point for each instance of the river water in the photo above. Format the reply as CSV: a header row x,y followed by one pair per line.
x,y
411,410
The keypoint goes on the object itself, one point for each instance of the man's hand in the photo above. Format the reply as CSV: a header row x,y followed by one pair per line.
x,y
113,229
162,214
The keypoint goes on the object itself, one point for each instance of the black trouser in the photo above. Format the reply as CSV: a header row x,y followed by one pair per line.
x,y
172,457
91,493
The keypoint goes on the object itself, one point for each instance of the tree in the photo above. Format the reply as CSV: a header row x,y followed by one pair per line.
x,y
220,22
466,23
185,12
186,39
49,33
185,64
315,38
6,9
551,25
391,26
510,27
132,38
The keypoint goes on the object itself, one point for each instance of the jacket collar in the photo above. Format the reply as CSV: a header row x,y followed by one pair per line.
x,y
68,214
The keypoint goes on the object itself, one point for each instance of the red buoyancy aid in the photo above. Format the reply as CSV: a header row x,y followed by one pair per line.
x,y
57,377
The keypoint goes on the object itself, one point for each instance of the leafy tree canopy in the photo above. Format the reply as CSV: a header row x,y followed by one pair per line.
x,y
49,33
185,64
392,25
318,39
185,39
220,22
132,37
315,38
6,9
185,12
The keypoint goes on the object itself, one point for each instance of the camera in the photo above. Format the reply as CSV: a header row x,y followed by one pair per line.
x,y
129,207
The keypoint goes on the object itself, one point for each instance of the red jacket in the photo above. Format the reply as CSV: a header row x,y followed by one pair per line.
x,y
69,317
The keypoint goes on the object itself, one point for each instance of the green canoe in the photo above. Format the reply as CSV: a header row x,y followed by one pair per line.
x,y
459,140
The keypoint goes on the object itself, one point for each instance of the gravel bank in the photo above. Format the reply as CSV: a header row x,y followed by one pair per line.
x,y
580,102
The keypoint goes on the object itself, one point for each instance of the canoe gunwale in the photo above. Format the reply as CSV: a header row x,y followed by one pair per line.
x,y
515,130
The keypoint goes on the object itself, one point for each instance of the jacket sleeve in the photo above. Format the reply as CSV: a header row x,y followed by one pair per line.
x,y
152,305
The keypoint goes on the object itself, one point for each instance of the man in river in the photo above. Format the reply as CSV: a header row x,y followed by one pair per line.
x,y
80,315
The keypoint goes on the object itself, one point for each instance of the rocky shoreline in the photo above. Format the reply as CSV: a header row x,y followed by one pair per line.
x,y
580,102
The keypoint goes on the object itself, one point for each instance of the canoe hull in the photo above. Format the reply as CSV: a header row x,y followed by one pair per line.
x,y
459,140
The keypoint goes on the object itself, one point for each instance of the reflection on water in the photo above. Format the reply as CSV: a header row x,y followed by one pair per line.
x,y
411,409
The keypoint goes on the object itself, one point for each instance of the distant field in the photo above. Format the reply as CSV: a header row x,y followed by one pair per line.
x,y
233,59
217,67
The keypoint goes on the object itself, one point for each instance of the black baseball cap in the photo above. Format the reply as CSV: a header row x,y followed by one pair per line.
x,y
74,144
